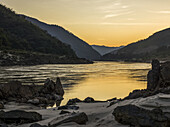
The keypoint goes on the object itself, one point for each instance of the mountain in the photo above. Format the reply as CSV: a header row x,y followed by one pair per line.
x,y
18,35
81,48
155,46
104,49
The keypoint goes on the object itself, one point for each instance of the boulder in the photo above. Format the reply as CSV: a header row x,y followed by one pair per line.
x,y
19,117
48,93
89,100
58,87
79,118
51,87
153,76
10,89
73,101
136,116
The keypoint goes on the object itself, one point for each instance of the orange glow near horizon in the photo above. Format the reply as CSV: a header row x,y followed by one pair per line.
x,y
100,22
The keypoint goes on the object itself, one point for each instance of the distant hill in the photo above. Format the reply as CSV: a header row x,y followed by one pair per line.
x,y
104,49
155,46
81,48
18,35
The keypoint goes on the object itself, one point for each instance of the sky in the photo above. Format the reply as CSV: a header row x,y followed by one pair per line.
x,y
100,22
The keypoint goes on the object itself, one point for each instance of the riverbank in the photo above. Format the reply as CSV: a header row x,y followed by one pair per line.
x,y
99,114
149,107
25,58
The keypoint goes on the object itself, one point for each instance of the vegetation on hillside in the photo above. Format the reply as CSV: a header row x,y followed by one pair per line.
x,y
156,46
16,33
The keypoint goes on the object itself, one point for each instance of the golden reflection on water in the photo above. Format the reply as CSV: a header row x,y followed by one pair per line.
x,y
101,80
111,81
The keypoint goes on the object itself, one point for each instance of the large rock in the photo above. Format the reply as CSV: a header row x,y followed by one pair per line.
x,y
89,100
19,117
59,88
135,116
35,94
52,87
79,118
73,101
153,76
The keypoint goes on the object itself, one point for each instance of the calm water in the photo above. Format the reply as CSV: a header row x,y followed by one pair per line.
x,y
101,80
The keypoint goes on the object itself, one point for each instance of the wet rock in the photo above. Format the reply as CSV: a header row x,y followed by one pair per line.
x,y
19,117
72,107
73,101
135,116
64,112
37,125
89,100
79,118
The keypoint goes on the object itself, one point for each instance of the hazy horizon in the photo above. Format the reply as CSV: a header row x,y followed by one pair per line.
x,y
100,22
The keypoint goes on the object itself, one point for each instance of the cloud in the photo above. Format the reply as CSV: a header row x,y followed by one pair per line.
x,y
160,12
128,24
117,14
117,24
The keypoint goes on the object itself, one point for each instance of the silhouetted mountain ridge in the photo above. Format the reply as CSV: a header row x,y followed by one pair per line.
x,y
81,48
20,39
155,46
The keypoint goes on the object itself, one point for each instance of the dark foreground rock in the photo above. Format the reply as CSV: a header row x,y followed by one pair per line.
x,y
139,117
19,117
46,94
158,81
73,101
89,100
79,118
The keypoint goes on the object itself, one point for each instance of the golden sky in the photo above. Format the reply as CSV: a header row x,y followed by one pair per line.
x,y
101,22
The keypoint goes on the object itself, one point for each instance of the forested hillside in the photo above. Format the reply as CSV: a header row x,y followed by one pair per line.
x,y
18,33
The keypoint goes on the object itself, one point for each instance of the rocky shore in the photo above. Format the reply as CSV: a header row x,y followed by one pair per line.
x,y
22,105
47,94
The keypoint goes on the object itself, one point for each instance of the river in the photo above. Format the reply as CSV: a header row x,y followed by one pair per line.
x,y
101,80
